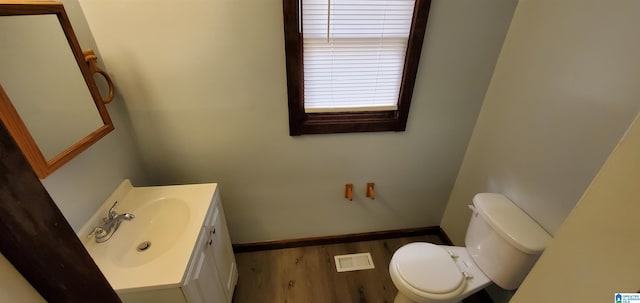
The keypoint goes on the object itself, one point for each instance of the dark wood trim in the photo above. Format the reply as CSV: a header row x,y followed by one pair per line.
x,y
369,236
345,122
293,54
35,8
412,59
37,239
445,238
301,123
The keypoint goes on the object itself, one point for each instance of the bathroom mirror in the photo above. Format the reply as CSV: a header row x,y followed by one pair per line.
x,y
49,101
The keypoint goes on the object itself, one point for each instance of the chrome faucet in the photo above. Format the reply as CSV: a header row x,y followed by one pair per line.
x,y
110,224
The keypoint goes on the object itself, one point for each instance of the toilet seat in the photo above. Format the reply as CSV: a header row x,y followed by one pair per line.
x,y
427,271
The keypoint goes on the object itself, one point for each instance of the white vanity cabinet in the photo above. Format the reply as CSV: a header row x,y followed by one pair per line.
x,y
211,274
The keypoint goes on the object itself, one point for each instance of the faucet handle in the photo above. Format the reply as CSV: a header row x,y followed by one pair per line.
x,y
112,212
98,232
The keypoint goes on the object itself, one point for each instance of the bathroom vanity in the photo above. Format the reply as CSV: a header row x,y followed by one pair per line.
x,y
176,249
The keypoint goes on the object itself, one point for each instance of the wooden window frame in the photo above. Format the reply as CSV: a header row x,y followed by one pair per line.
x,y
301,123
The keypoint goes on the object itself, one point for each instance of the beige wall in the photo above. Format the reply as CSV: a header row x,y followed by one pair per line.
x,y
13,286
205,85
564,90
595,253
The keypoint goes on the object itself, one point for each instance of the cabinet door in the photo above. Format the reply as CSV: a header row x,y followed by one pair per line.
x,y
222,251
202,284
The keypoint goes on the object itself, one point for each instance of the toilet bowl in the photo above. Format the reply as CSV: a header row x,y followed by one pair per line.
x,y
502,245
428,273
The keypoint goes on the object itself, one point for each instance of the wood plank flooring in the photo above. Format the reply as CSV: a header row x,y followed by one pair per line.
x,y
308,274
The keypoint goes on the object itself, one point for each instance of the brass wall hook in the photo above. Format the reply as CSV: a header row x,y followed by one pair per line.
x,y
370,193
348,191
91,59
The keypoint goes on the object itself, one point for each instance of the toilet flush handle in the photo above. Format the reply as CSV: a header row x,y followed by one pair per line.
x,y
473,209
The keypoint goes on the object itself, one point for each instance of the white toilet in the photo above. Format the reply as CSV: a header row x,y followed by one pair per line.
x,y
502,244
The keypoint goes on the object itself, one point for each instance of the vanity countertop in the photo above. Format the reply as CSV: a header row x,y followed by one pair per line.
x,y
169,217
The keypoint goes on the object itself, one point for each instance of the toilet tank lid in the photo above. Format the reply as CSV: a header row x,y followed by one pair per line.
x,y
511,222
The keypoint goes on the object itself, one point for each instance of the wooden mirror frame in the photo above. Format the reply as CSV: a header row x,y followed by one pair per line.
x,y
15,125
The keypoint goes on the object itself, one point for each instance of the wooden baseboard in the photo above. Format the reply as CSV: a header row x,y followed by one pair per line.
x,y
444,236
377,235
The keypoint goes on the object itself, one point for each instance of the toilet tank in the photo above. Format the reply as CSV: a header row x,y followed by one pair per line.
x,y
503,240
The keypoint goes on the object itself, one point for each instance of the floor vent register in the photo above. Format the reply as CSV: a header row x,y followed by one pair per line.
x,y
354,262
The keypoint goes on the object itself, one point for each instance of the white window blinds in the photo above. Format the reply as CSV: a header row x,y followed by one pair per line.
x,y
354,53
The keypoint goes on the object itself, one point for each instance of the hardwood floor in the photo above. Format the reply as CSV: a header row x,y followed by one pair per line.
x,y
308,274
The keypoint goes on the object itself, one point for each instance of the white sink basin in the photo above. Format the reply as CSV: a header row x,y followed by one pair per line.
x,y
153,249
155,229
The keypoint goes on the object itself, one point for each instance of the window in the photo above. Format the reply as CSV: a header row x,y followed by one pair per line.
x,y
351,64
